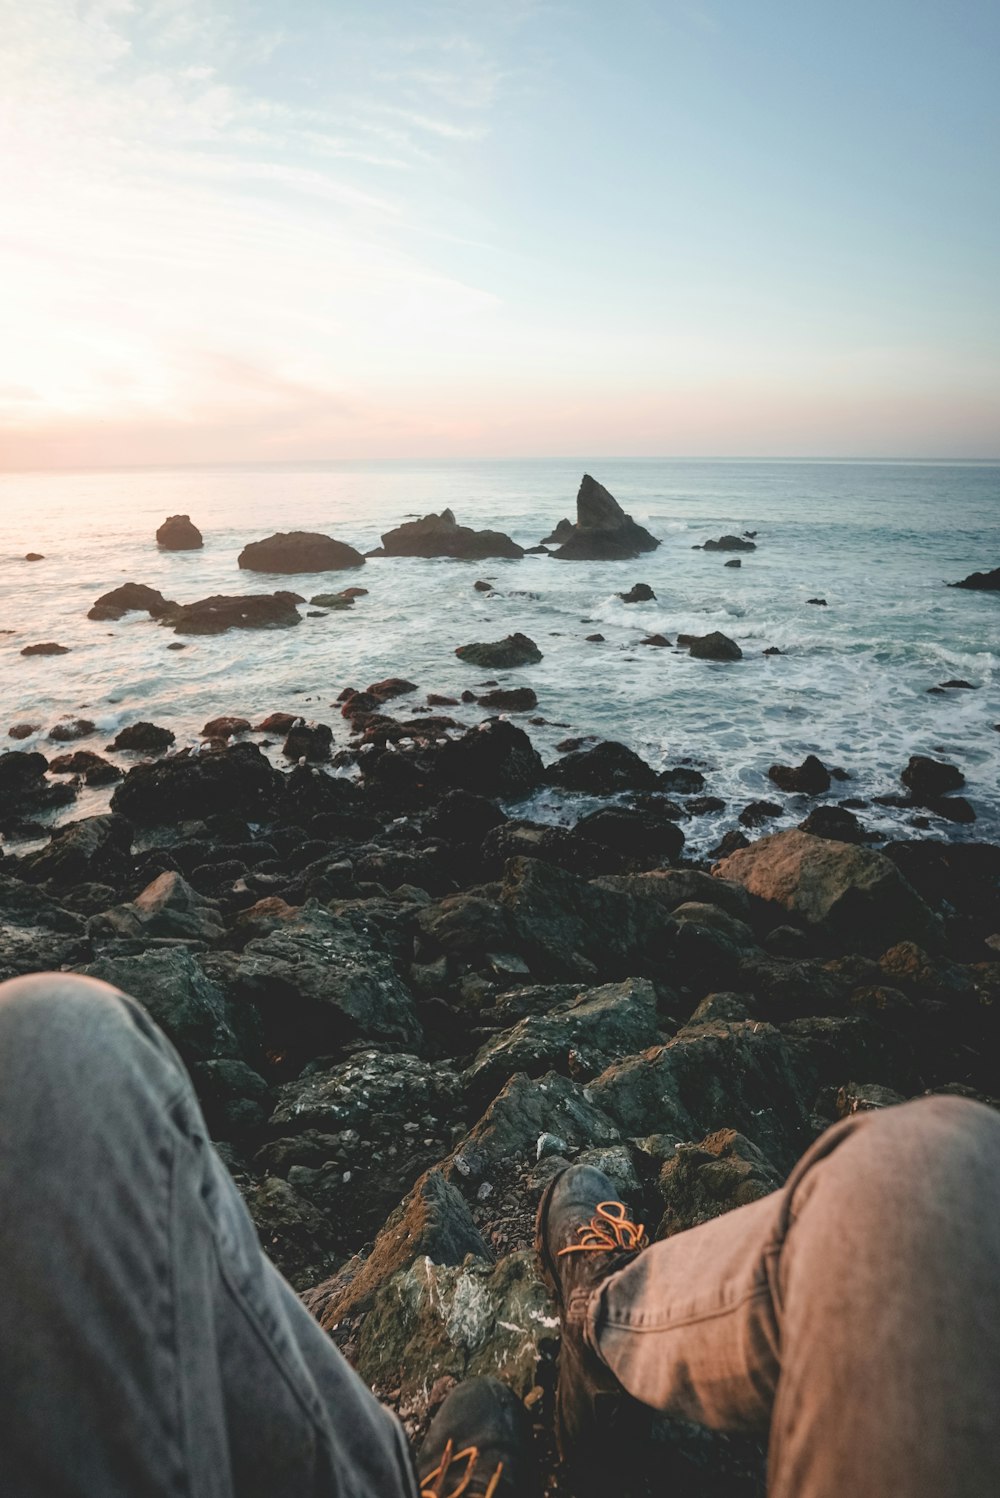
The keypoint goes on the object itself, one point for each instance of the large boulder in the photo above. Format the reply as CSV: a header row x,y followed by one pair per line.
x,y
238,779
442,536
299,551
701,1181
505,1140
850,893
730,543
168,907
319,983
178,533
811,776
981,582
185,1003
129,597
501,655
603,531
928,779
144,737
602,770
95,850
496,758
569,929
214,615
24,788
715,647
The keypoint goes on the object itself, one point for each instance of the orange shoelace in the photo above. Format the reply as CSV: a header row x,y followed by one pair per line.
x,y
451,1457
610,1229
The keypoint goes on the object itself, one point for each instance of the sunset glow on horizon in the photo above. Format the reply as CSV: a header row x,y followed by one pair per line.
x,y
235,232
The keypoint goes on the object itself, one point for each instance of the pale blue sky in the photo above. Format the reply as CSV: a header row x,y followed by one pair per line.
x,y
242,230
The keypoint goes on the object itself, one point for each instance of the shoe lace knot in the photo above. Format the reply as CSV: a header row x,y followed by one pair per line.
x,y
433,1485
610,1229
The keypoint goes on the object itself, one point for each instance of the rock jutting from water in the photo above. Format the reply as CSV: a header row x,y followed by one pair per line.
x,y
982,582
442,536
299,551
178,533
603,531
128,597
214,615
499,655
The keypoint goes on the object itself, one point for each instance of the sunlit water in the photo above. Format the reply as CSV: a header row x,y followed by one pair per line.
x,y
877,541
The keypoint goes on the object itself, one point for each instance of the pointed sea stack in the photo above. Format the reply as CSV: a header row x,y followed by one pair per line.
x,y
603,532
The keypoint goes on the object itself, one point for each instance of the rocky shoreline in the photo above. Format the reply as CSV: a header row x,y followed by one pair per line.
x,y
404,1009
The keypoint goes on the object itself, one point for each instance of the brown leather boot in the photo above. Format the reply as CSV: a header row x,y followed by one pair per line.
x,y
583,1233
479,1445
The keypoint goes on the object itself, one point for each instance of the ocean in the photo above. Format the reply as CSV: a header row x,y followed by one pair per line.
x,y
876,540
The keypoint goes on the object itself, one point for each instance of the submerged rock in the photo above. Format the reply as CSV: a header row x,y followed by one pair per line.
x,y
131,597
811,776
177,533
214,615
68,729
982,582
730,543
638,593
603,531
501,655
47,647
299,551
442,536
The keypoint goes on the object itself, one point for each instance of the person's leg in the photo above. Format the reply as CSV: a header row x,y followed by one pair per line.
x,y
857,1311
147,1346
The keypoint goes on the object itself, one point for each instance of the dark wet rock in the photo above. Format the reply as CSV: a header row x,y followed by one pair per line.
x,y
714,647
834,822
95,770
214,615
494,759
342,600
277,723
713,1076
568,929
735,562
703,806
177,533
928,779
965,876
660,640
772,650
168,907
510,699
636,835
582,1037
956,684
36,933
507,1135
673,887
565,847
94,850
730,543
821,602
436,1322
48,647
682,781
311,741
299,551
462,817
442,536
33,556
145,738
594,639
606,768
235,1100
811,776
564,531
501,655
318,983
983,582
731,842
865,1097
225,728
238,779
69,729
391,687
759,812
169,983
481,586
129,597
23,730
354,704
373,1093
433,1223
24,788
603,531
638,593
701,1181
293,1233
854,893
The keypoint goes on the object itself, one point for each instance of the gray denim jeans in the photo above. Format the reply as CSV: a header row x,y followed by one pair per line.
x,y
148,1347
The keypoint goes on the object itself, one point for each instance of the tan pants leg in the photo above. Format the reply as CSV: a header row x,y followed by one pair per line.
x,y
856,1312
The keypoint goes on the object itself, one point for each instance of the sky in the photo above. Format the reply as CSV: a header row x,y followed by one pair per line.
x,y
235,231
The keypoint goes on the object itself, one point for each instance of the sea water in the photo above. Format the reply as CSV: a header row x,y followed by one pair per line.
x,y
877,541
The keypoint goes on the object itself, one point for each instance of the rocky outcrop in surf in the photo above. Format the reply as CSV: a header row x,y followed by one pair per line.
x,y
442,536
603,532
